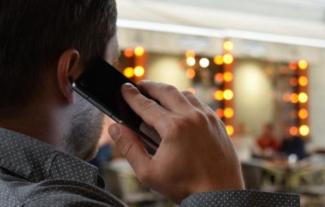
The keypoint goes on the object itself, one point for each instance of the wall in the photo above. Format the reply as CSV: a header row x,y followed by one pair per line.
x,y
254,104
167,69
317,102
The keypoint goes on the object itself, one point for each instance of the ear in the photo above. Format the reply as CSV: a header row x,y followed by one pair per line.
x,y
68,69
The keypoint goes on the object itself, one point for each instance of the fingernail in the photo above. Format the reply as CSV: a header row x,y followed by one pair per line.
x,y
114,131
129,86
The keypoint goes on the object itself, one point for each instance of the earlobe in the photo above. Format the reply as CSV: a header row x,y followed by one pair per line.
x,y
68,69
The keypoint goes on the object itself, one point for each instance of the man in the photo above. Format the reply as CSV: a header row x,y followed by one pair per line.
x,y
46,129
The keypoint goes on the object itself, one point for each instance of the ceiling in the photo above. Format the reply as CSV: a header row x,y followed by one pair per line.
x,y
301,18
312,10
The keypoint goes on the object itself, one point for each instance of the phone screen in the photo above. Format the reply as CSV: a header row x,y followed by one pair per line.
x,y
100,83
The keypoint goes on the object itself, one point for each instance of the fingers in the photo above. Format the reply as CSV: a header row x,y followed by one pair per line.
x,y
130,146
149,110
193,100
197,103
167,95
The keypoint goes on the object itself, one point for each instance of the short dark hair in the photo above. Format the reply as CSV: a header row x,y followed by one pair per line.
x,y
34,33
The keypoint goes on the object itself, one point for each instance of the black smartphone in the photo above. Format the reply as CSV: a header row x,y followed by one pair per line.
x,y
100,83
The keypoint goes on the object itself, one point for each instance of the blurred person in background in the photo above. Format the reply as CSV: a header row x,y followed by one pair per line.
x,y
267,141
293,145
47,131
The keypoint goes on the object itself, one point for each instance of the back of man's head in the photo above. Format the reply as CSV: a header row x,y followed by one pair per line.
x,y
34,33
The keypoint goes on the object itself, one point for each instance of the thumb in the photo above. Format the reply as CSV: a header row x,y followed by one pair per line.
x,y
129,144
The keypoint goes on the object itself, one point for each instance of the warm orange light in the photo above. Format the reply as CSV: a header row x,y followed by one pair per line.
x,y
303,64
129,52
218,78
228,59
190,61
293,82
228,77
293,66
139,51
190,73
192,90
218,60
304,130
286,97
228,45
190,53
303,97
128,72
139,71
229,113
303,113
303,81
293,131
218,95
219,113
228,94
230,130
294,98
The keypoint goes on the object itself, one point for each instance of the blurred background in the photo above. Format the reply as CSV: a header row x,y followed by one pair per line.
x,y
259,64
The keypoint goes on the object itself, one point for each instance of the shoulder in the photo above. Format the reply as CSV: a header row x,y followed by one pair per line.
x,y
60,193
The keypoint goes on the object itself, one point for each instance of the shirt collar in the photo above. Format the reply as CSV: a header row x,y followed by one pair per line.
x,y
37,161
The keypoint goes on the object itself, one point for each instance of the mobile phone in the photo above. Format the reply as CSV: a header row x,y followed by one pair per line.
x,y
100,83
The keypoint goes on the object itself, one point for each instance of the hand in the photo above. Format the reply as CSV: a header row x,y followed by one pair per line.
x,y
195,154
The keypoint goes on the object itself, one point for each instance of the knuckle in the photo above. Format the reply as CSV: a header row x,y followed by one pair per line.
x,y
188,94
176,125
147,104
169,88
212,117
198,117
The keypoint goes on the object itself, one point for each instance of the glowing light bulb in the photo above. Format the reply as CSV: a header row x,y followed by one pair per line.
x,y
218,60
228,94
204,62
218,78
293,131
294,98
228,45
303,114
303,64
229,113
303,97
303,81
228,77
218,95
139,51
128,72
190,73
293,66
129,52
304,130
139,71
190,61
228,59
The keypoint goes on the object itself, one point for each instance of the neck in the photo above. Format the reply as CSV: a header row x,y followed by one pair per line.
x,y
38,123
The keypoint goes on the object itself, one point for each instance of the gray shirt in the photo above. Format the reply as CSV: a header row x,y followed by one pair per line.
x,y
34,174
